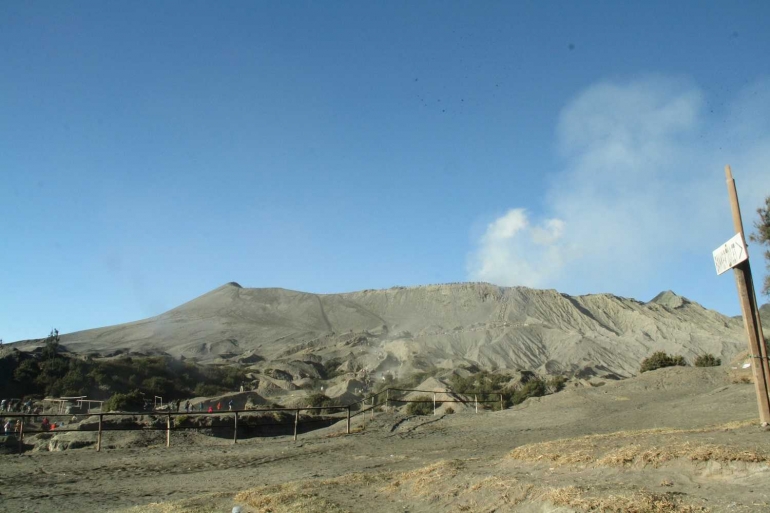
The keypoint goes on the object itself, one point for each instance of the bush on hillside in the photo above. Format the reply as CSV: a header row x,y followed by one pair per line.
x,y
556,384
708,360
132,401
660,359
532,388
408,381
206,390
320,401
488,385
421,408
52,372
330,368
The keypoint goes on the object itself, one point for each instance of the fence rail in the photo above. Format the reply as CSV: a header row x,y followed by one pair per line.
x,y
361,407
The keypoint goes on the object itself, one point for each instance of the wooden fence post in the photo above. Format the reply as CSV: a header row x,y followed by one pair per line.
x,y
476,400
21,435
372,415
296,421
501,402
168,430
434,403
348,419
99,435
387,399
235,429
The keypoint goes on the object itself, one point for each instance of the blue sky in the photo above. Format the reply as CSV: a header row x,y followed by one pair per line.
x,y
150,152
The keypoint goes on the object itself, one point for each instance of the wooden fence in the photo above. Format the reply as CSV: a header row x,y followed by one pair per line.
x,y
348,412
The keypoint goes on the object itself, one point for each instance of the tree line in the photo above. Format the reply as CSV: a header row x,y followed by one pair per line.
x,y
51,372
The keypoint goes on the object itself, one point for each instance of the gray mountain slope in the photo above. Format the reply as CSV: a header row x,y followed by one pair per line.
x,y
436,326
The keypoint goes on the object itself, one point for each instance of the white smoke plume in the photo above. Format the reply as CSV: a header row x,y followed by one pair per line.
x,y
641,193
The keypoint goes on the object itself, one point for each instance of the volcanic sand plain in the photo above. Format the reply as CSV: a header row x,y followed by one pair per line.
x,y
676,439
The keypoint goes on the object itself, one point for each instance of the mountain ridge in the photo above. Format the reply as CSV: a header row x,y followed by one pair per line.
x,y
429,326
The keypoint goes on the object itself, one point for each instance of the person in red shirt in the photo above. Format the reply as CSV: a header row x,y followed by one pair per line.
x,y
211,410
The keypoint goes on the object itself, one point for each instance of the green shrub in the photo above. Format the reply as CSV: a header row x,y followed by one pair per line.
x,y
708,360
409,381
330,370
556,384
55,373
320,401
659,360
533,388
421,408
132,401
206,390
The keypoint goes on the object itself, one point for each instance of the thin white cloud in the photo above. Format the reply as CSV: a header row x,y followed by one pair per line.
x,y
642,186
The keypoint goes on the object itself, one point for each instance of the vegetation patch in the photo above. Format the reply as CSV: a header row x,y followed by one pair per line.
x,y
660,360
639,502
652,447
488,385
422,480
54,373
321,401
289,498
423,405
707,360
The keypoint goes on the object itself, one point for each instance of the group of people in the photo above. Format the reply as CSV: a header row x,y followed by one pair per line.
x,y
12,426
18,406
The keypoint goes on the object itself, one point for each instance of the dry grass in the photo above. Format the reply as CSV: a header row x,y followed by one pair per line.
x,y
200,504
560,452
646,447
422,480
289,498
306,496
655,456
510,491
639,502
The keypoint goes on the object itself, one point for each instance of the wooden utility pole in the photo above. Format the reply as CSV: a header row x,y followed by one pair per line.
x,y
746,295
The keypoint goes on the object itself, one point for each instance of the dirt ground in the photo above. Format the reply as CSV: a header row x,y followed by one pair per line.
x,y
680,439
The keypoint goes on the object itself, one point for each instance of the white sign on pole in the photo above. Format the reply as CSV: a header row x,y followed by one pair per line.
x,y
730,254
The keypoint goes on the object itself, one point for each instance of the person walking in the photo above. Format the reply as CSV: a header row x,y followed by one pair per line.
x,y
187,406
7,428
230,405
